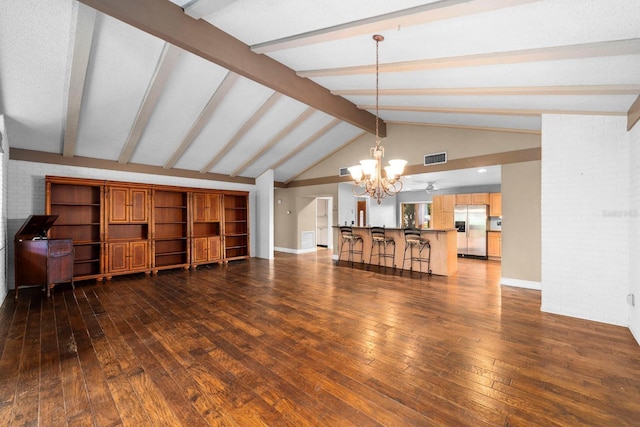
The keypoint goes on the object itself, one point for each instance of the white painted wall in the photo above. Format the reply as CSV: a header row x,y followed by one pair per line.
x,y
634,200
5,241
586,217
264,215
26,192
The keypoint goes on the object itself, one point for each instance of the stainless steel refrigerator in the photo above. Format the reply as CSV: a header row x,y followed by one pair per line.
x,y
471,222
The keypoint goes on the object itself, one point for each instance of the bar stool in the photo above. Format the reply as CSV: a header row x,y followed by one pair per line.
x,y
413,239
347,236
380,241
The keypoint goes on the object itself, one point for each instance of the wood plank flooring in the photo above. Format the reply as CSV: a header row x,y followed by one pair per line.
x,y
298,341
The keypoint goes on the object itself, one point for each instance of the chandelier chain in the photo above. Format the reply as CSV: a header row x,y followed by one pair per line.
x,y
369,176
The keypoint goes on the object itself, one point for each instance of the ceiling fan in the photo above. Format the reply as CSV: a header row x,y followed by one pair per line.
x,y
431,187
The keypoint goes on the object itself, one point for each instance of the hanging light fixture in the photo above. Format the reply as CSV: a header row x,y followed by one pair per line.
x,y
368,175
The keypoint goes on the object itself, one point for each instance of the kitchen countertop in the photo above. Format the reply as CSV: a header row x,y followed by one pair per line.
x,y
432,230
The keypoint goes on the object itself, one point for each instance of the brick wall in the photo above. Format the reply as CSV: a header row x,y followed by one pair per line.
x,y
586,217
26,192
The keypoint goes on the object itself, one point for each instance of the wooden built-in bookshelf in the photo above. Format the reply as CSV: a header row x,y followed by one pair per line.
x,y
121,227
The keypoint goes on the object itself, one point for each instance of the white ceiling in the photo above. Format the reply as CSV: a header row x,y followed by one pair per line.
x,y
83,83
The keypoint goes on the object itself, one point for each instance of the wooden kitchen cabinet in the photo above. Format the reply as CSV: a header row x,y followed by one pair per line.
x,y
449,203
463,199
495,207
480,198
494,244
442,211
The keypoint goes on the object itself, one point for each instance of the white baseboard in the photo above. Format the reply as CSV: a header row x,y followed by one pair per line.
x,y
519,283
294,251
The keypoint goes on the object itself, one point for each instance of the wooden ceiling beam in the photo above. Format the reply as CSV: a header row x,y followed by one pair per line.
x,y
633,115
264,109
488,111
168,22
157,84
203,118
326,156
313,138
273,141
554,53
437,11
81,48
499,91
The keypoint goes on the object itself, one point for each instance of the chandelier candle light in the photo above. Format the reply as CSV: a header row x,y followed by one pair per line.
x,y
368,175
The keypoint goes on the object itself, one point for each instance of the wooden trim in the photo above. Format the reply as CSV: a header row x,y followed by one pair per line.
x,y
167,21
499,91
518,156
488,111
555,53
165,65
81,48
633,115
467,127
264,109
432,12
87,162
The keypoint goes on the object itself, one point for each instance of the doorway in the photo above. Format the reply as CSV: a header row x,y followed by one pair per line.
x,y
361,212
324,208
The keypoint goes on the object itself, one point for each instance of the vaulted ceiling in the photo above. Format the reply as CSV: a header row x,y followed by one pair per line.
x,y
232,88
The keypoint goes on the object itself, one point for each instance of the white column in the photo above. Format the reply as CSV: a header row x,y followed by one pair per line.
x,y
264,213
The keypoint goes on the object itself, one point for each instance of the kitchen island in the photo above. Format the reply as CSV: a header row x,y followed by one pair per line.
x,y
444,248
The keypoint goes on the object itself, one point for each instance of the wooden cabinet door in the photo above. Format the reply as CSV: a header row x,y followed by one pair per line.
x,y
138,203
463,199
206,207
448,203
213,203
118,260
128,205
480,199
447,220
199,207
200,249
495,208
494,244
138,255
118,201
215,252
437,204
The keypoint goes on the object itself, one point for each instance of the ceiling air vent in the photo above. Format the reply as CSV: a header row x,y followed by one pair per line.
x,y
435,158
343,172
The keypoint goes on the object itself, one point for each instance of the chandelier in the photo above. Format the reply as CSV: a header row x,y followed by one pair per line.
x,y
368,175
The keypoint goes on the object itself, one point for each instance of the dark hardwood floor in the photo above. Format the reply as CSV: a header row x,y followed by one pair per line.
x,y
299,341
